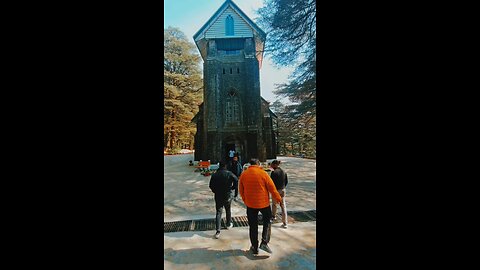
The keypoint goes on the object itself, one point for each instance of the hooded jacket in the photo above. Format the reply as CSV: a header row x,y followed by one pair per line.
x,y
235,168
254,186
222,183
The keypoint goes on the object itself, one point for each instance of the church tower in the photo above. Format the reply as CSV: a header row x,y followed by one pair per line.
x,y
233,115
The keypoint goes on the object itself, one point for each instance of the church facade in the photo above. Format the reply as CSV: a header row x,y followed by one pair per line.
x,y
233,115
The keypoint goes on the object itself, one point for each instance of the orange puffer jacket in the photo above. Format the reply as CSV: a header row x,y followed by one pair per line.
x,y
254,186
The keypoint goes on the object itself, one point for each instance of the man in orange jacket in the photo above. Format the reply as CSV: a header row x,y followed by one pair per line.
x,y
254,186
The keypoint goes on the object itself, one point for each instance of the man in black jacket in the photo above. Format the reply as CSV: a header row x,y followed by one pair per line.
x,y
222,183
280,180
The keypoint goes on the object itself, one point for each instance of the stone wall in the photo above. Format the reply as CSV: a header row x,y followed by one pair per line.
x,y
223,73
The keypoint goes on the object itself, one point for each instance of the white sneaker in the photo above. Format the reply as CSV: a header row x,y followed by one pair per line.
x,y
217,235
230,226
284,226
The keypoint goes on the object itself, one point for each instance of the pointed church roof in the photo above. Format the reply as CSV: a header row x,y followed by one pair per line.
x,y
216,15
244,27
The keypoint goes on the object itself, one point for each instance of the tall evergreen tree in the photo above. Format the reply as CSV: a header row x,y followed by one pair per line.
x,y
291,41
295,135
182,89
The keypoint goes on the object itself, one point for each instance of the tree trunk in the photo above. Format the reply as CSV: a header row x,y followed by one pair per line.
x,y
172,138
166,139
191,144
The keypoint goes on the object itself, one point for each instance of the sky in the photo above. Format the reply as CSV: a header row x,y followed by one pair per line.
x,y
190,15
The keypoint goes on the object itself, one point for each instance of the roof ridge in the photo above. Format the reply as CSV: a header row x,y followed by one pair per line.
x,y
238,10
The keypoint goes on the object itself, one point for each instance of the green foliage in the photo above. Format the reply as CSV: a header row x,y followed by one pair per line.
x,y
291,41
291,29
296,135
182,89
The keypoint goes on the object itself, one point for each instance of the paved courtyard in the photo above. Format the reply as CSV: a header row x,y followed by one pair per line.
x,y
187,196
293,248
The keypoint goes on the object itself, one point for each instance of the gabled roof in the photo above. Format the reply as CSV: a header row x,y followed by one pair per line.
x,y
268,106
272,113
209,31
222,8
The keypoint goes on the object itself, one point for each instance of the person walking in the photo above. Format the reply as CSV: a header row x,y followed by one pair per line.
x,y
254,186
235,167
222,184
231,154
239,157
280,180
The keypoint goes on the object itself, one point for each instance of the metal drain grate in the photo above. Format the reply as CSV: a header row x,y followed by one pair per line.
x,y
241,221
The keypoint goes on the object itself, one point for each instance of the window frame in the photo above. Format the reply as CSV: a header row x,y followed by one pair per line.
x,y
229,26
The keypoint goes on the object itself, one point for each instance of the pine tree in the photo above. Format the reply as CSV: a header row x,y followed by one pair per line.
x,y
182,89
295,135
291,41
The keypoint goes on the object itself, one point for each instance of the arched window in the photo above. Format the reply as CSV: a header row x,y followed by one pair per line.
x,y
229,26
232,108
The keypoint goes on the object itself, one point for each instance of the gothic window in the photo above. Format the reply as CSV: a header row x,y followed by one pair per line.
x,y
232,109
229,26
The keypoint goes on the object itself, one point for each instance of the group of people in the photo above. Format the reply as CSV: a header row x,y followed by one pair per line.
x,y
254,185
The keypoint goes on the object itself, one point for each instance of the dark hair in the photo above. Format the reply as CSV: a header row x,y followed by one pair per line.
x,y
222,164
254,161
276,162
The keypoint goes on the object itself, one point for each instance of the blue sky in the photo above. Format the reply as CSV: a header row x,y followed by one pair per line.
x,y
190,15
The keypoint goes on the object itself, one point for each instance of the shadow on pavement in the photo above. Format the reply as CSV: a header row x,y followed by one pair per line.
x,y
205,255
190,234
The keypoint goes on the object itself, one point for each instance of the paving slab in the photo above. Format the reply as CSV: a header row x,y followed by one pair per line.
x,y
187,195
293,248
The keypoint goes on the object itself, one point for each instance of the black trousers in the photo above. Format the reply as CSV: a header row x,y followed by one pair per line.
x,y
236,190
219,205
252,215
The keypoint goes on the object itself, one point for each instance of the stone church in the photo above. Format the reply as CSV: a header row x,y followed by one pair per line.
x,y
233,115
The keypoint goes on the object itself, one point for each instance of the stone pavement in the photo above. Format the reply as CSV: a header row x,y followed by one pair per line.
x,y
187,195
293,248
172,160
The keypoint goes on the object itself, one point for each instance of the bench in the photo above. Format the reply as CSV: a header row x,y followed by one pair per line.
x,y
203,165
